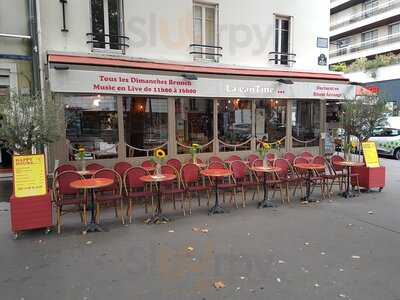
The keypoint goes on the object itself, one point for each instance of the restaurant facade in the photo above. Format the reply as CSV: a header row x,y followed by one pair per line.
x,y
124,109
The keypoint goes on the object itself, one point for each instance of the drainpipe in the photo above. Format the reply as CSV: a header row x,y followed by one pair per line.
x,y
32,19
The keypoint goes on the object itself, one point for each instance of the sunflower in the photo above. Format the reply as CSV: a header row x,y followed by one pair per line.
x,y
195,146
81,149
266,146
160,154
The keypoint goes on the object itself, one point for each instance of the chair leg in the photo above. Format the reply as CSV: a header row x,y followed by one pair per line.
x,y
173,200
287,193
85,222
121,207
281,192
129,211
97,213
243,197
190,203
183,204
198,198
58,219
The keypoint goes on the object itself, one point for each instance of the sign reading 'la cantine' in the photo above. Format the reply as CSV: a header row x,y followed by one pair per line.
x,y
83,81
29,175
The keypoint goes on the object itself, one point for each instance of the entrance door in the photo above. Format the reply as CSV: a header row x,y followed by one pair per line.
x,y
5,154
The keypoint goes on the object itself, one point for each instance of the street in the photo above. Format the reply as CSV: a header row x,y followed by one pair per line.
x,y
337,249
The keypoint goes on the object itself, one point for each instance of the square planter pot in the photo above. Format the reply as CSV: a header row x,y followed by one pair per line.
x,y
30,213
370,178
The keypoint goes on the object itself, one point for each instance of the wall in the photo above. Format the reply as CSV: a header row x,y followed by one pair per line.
x,y
163,29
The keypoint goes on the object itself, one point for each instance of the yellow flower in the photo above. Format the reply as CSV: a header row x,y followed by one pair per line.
x,y
160,154
266,146
81,149
353,144
195,146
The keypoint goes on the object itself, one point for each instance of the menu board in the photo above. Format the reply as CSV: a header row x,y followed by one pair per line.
x,y
29,175
370,154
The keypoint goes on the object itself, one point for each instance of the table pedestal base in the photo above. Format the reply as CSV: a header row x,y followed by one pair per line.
x,y
216,209
266,204
93,227
158,219
348,194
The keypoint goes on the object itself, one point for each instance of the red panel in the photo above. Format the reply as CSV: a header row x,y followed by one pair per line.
x,y
31,212
371,178
96,61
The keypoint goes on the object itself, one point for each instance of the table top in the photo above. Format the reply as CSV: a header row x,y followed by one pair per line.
x,y
349,163
310,166
266,169
158,178
216,172
92,183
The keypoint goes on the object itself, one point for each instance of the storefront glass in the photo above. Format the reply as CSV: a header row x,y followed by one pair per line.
x,y
146,125
92,123
194,123
305,123
234,124
271,120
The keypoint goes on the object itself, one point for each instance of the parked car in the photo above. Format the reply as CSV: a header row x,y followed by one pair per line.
x,y
387,141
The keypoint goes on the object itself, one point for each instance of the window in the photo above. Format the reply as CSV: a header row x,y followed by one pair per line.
x,y
205,28
92,123
394,29
369,38
234,124
107,24
369,7
343,44
194,123
282,44
146,125
271,120
305,123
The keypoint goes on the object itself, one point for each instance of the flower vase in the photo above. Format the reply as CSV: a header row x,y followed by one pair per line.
x,y
158,169
194,159
83,164
265,163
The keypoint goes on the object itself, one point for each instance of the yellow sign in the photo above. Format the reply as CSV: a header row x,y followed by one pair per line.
x,y
29,175
370,154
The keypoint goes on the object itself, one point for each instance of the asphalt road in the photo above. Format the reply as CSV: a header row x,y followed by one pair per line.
x,y
339,249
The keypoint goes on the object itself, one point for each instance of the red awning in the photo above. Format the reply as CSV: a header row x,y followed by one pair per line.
x,y
143,65
363,91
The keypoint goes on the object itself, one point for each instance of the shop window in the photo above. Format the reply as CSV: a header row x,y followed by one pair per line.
x,y
271,120
234,124
194,123
146,125
92,123
305,123
107,24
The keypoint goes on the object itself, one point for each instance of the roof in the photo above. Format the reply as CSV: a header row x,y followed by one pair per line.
x,y
175,67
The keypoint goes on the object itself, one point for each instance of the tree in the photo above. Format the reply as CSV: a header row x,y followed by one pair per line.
x,y
361,116
28,122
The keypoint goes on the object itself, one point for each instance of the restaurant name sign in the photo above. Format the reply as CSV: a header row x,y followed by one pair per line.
x,y
29,175
83,81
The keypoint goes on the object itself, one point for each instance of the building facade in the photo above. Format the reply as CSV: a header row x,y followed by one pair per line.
x,y
134,76
365,38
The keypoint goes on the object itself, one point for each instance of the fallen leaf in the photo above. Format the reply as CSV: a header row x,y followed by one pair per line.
x,y
307,243
281,261
204,230
195,229
323,253
341,270
371,212
171,231
316,285
190,249
194,259
342,296
278,279
238,288
219,285
355,257
242,277
27,268
89,242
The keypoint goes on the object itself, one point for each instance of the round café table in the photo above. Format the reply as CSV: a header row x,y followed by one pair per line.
x,y
216,174
309,167
266,202
157,179
90,185
348,165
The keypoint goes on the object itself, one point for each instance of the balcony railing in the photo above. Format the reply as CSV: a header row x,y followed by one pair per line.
x,y
206,52
365,14
107,41
386,40
282,58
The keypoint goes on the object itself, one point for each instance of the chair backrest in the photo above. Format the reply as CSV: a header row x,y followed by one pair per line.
x,y
321,161
251,158
233,158
214,159
94,167
190,173
176,163
239,169
335,159
147,164
300,160
132,178
271,156
283,165
63,168
168,169
289,156
62,183
110,174
217,165
122,167
306,154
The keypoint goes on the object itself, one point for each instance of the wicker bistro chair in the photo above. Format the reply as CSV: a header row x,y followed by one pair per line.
x,y
341,172
136,189
244,179
288,177
173,188
251,158
290,157
122,167
176,163
110,195
306,154
68,199
321,178
148,164
215,159
194,183
94,167
270,179
226,183
233,158
63,168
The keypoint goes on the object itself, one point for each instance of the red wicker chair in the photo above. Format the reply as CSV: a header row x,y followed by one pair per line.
x,y
244,179
173,188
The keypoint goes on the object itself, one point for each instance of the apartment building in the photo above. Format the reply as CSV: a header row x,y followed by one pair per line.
x,y
135,75
365,36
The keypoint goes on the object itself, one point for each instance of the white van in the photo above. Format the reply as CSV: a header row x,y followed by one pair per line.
x,y
387,139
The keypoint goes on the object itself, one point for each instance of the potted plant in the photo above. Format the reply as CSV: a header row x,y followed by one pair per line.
x,y
157,159
28,124
262,151
193,150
